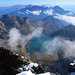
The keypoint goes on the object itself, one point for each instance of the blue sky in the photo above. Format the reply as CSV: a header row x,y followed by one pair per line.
x,y
14,2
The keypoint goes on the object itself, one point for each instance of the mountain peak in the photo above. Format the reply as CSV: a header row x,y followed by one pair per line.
x,y
30,5
6,15
57,7
59,10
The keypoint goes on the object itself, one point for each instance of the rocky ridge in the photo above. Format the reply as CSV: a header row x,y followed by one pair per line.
x,y
12,63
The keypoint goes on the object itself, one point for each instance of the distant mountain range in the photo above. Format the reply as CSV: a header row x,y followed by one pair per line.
x,y
9,9
38,13
34,12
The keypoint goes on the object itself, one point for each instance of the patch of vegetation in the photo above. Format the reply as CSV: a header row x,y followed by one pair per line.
x,y
47,59
34,58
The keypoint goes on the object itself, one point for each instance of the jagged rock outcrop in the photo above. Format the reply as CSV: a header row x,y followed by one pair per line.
x,y
10,63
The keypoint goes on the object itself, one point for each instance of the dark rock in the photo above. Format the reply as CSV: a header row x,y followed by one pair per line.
x,y
71,67
10,62
38,69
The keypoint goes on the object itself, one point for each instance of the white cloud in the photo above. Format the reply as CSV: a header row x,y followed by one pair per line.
x,y
16,38
49,12
70,13
20,12
60,44
14,35
34,12
27,11
66,18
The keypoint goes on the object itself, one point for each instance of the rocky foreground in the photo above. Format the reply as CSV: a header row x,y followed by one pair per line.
x,y
12,63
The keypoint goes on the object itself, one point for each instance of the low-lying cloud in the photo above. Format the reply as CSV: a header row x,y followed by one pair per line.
x,y
21,13
70,13
49,12
16,38
68,19
62,45
37,12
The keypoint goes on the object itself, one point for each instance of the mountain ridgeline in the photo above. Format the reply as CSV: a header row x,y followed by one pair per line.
x,y
37,13
49,24
23,24
68,31
34,12
9,9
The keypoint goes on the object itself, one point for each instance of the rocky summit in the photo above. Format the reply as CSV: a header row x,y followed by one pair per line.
x,y
12,63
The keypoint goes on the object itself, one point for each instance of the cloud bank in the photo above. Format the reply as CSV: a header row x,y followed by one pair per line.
x,y
21,13
49,12
16,38
34,12
62,45
66,18
70,13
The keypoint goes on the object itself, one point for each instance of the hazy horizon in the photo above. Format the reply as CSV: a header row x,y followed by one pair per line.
x,y
67,7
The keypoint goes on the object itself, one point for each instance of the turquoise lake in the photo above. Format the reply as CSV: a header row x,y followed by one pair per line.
x,y
37,42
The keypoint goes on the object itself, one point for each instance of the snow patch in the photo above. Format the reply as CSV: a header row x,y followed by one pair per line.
x,y
26,73
29,67
30,73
